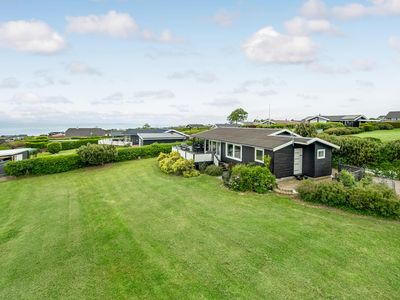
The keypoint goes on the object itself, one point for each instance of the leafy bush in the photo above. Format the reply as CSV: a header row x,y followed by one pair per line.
x,y
97,154
333,193
305,129
214,170
63,163
54,147
375,199
74,144
327,125
394,124
258,179
203,166
343,130
347,179
173,163
43,165
152,150
383,126
36,145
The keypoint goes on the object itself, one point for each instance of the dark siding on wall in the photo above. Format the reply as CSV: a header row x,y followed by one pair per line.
x,y
323,167
226,159
283,162
308,160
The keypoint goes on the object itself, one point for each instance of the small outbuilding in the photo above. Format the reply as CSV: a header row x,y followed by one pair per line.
x,y
14,155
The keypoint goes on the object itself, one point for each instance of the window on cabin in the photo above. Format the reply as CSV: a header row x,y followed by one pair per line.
x,y
321,153
229,152
259,155
234,151
237,152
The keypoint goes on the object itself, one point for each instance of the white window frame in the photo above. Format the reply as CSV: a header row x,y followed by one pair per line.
x,y
321,151
217,149
232,157
255,154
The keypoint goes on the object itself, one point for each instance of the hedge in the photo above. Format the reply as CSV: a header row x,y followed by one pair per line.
x,y
394,124
74,144
144,151
376,199
63,163
43,165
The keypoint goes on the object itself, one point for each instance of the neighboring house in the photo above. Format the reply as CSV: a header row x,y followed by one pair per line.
x,y
56,134
86,132
346,120
315,119
140,137
291,154
14,155
393,116
169,136
226,125
11,138
190,126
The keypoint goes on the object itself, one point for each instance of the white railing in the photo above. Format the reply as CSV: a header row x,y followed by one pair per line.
x,y
197,157
114,142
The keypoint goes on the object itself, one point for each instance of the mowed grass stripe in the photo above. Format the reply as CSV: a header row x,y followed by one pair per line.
x,y
128,231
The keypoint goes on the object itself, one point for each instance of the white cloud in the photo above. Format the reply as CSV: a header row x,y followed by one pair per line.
x,y
270,46
327,69
394,42
30,36
32,98
159,94
225,18
116,98
301,26
364,83
119,25
116,25
9,83
307,96
314,9
223,102
266,93
377,8
77,68
364,65
206,77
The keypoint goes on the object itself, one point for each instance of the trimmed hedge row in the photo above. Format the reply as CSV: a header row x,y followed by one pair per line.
x,y
143,152
44,165
376,199
63,163
74,144
363,151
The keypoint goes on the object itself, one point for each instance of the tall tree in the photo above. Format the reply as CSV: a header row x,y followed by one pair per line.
x,y
238,115
146,126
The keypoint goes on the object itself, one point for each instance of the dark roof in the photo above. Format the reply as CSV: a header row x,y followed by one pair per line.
x,y
393,115
226,125
257,137
162,136
339,118
85,132
135,131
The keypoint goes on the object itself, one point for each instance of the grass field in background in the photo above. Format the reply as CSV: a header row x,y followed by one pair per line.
x,y
127,230
383,135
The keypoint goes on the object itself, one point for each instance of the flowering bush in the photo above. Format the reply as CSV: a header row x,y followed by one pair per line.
x,y
173,163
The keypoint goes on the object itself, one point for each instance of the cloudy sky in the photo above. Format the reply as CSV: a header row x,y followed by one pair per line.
x,y
173,62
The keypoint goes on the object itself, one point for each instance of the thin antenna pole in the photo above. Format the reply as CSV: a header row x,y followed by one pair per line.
x,y
269,113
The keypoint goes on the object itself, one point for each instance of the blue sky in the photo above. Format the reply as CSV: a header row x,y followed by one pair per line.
x,y
176,62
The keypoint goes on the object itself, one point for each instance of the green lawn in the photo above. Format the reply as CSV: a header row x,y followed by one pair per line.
x,y
129,231
64,152
384,135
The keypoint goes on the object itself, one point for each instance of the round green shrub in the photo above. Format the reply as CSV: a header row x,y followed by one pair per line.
x,y
93,154
258,179
347,179
214,170
54,147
